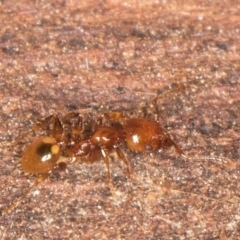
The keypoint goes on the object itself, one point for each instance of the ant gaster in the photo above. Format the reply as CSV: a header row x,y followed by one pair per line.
x,y
139,134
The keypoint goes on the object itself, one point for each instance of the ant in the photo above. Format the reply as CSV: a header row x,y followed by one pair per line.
x,y
43,155
139,134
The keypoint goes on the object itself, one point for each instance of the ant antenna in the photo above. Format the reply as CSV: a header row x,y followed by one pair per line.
x,y
180,88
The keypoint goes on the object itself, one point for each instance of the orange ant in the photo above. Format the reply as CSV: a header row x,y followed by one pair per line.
x,y
139,134
42,156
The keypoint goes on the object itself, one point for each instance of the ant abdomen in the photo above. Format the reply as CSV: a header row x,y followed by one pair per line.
x,y
143,134
41,155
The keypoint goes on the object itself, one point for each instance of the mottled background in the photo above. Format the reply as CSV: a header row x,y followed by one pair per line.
x,y
91,56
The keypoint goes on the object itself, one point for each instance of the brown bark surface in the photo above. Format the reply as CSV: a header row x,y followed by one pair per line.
x,y
91,56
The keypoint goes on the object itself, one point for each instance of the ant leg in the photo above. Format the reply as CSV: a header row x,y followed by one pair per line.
x,y
170,142
57,127
70,116
36,127
75,121
116,116
19,200
98,123
57,130
180,87
107,162
124,159
223,161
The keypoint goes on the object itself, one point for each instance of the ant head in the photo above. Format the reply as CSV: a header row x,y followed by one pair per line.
x,y
41,155
83,148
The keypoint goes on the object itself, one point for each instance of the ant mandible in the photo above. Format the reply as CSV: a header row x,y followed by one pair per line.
x,y
42,156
